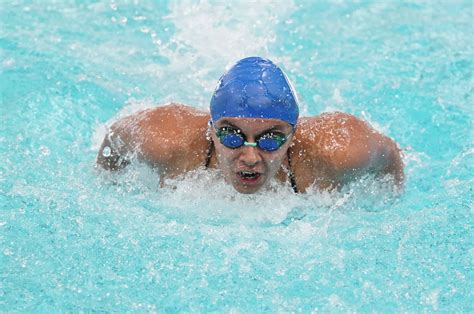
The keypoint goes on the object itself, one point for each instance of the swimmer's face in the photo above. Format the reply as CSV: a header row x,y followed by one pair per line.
x,y
249,168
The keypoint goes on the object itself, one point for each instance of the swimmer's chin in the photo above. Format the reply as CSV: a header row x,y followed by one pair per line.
x,y
246,189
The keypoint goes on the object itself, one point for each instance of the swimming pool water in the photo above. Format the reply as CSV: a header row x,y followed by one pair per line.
x,y
73,238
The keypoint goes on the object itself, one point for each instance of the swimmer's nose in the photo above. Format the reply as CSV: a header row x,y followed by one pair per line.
x,y
250,155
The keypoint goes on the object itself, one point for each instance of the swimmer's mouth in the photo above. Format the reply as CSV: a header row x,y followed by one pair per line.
x,y
249,176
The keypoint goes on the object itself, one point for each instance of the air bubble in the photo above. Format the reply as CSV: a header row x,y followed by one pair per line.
x,y
106,152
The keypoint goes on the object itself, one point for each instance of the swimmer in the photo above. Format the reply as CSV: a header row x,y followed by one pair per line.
x,y
253,134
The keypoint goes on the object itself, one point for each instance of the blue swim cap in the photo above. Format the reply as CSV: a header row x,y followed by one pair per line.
x,y
255,88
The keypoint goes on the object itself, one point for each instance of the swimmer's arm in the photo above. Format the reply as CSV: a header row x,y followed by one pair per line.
x,y
119,144
391,159
147,136
170,138
367,151
333,149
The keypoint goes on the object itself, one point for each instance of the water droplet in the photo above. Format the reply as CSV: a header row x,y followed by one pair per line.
x,y
106,151
44,150
8,63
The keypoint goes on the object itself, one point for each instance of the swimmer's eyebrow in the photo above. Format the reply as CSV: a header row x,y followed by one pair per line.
x,y
227,123
273,128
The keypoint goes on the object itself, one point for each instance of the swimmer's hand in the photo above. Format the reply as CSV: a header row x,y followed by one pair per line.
x,y
109,157
121,143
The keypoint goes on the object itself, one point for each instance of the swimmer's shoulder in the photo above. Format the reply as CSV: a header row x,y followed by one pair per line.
x,y
171,116
175,134
166,124
170,137
330,134
331,145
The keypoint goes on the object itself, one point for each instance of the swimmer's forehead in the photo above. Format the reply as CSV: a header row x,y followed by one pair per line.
x,y
254,123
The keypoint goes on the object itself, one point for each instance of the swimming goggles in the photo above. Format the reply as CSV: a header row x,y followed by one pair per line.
x,y
234,138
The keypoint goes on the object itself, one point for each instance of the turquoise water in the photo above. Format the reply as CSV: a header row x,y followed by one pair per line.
x,y
73,238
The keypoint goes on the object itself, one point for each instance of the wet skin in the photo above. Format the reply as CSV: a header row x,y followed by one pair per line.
x,y
326,151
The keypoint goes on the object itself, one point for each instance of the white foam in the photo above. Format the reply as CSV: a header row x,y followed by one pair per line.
x,y
203,46
203,197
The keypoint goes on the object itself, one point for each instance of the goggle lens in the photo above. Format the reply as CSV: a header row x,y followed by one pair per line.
x,y
232,140
270,143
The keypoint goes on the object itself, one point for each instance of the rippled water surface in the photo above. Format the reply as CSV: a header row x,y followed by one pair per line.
x,y
76,239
